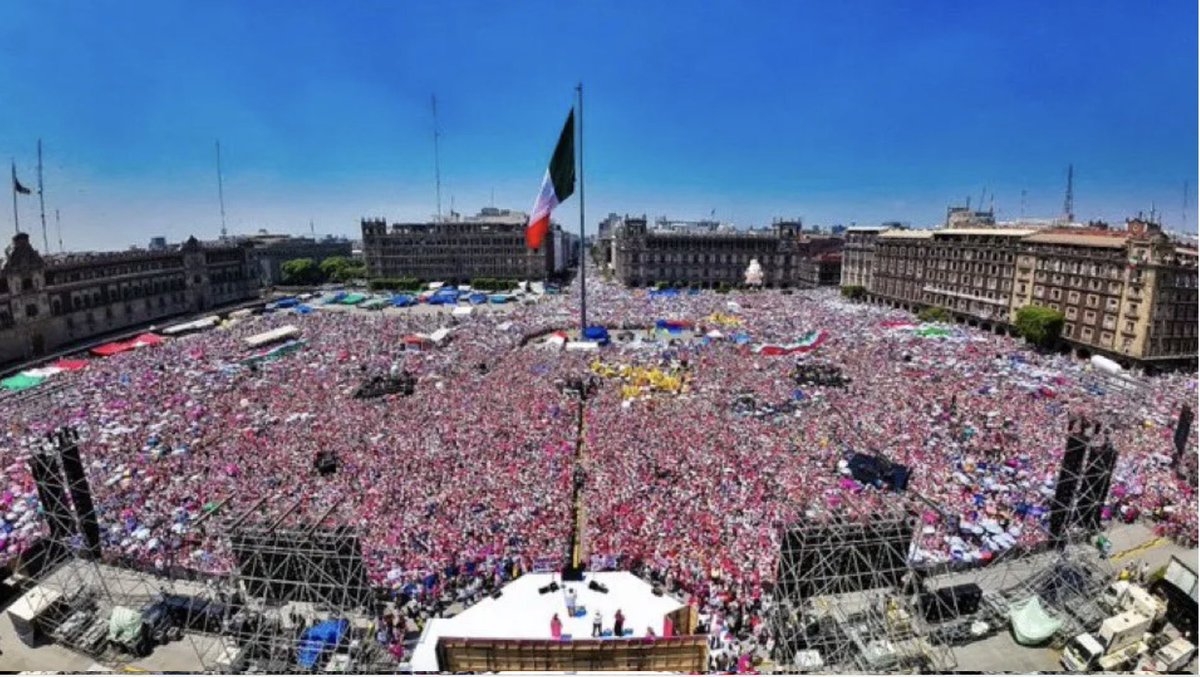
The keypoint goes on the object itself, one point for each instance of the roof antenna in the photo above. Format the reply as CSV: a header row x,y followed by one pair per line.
x,y
1069,202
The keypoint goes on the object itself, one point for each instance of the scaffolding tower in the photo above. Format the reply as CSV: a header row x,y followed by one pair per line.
x,y
845,599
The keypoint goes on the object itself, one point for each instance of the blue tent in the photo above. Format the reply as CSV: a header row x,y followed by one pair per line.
x,y
597,334
403,301
498,298
318,638
303,309
477,298
336,298
289,302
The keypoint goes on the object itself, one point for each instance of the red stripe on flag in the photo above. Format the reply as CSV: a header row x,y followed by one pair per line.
x,y
536,232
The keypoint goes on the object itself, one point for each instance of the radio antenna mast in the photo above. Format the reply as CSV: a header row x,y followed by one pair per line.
x,y
437,160
221,190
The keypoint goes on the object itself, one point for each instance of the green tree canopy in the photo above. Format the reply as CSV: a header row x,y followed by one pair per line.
x,y
1040,326
342,269
854,292
301,272
934,314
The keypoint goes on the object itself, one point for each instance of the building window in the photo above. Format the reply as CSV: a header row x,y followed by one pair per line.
x,y
27,284
31,310
1087,334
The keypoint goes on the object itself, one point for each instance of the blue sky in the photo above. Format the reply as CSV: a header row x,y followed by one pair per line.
x,y
837,112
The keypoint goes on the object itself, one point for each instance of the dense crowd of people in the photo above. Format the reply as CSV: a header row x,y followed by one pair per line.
x,y
469,481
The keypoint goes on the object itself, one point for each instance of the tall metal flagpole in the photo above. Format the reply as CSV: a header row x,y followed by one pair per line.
x,y
58,227
42,201
582,245
16,218
221,190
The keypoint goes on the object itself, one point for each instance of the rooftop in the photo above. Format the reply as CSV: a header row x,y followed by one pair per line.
x,y
1113,239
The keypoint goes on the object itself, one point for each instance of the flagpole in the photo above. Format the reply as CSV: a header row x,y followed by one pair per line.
x,y
42,201
582,241
16,218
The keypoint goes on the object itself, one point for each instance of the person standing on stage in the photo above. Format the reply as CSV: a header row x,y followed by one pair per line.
x,y
597,624
618,624
571,602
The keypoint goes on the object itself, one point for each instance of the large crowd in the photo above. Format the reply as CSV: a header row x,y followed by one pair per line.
x,y
468,481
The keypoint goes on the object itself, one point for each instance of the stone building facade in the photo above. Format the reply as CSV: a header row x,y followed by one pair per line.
x,y
47,304
859,253
1129,294
711,256
489,245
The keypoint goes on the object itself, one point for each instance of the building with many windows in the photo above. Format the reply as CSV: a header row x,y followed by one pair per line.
x,y
709,254
490,244
47,304
1129,294
859,253
272,251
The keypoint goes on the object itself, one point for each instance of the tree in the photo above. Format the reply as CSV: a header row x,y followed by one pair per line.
x,y
934,314
342,269
854,292
301,272
1040,326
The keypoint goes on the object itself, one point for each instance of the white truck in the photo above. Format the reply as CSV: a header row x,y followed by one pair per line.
x,y
1125,596
1172,657
1120,641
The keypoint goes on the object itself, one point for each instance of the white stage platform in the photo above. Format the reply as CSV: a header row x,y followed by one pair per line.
x,y
522,613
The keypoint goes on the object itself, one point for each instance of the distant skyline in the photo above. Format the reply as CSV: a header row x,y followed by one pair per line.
x,y
833,112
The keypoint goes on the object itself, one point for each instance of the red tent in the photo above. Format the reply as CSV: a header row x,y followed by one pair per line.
x,y
70,365
110,349
147,339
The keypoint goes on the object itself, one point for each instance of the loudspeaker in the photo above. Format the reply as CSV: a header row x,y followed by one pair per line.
x,y
1094,484
1064,489
81,496
598,587
497,595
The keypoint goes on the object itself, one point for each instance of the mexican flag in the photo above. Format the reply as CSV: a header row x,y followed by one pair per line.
x,y
557,185
810,341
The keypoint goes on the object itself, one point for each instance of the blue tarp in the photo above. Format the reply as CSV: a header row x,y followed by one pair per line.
x,y
303,309
337,297
477,298
318,638
403,301
741,338
287,303
444,296
498,298
597,334
665,293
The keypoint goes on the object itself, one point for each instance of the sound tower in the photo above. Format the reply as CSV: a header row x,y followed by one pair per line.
x,y
81,495
1183,429
50,492
1068,479
1094,484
